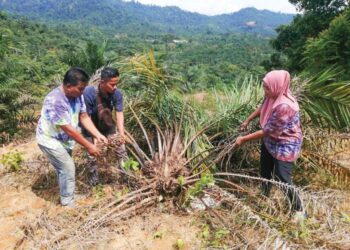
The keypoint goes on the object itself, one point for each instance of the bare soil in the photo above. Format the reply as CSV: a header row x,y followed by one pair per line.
x,y
155,231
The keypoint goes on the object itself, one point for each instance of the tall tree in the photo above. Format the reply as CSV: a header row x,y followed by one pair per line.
x,y
316,17
91,57
331,48
320,5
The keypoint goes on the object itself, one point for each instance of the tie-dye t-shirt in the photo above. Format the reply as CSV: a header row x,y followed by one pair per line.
x,y
58,110
283,133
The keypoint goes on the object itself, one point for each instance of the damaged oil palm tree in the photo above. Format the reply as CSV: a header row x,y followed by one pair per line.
x,y
154,99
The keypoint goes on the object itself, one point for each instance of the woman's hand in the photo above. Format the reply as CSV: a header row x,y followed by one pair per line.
x,y
240,140
253,136
244,125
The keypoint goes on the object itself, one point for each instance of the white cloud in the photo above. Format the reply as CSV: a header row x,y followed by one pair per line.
x,y
215,7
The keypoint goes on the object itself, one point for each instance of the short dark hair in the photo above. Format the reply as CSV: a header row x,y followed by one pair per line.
x,y
75,75
108,73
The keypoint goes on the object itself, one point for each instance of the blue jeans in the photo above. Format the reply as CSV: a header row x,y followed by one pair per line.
x,y
63,162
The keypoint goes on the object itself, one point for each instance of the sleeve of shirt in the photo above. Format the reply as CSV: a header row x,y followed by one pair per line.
x,y
82,104
88,101
118,101
278,120
57,112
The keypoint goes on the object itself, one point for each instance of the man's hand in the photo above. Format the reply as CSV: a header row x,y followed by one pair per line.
x,y
101,138
85,120
93,150
123,138
240,140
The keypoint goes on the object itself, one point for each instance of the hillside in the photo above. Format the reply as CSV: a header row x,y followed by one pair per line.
x,y
30,51
133,17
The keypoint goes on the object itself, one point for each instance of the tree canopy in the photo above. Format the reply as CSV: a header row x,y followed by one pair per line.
x,y
292,39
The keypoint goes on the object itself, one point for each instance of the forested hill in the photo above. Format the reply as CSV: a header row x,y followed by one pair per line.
x,y
135,18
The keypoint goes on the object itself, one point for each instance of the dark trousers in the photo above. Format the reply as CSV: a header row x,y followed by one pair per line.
x,y
283,171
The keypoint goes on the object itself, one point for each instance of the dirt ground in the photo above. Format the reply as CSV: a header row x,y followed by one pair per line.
x,y
21,204
155,231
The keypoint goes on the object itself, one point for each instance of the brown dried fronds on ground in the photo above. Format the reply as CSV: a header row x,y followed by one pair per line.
x,y
321,149
339,172
109,151
242,218
259,223
328,142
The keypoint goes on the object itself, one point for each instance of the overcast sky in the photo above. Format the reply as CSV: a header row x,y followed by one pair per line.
x,y
215,7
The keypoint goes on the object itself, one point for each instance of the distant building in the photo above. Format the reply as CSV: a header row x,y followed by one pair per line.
x,y
251,23
180,41
121,36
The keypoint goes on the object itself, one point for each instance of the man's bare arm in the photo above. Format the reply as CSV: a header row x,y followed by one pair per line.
x,y
73,133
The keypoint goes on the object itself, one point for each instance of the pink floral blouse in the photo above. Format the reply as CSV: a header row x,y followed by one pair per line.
x,y
283,137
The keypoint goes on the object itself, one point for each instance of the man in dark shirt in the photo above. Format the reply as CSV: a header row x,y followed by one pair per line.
x,y
108,97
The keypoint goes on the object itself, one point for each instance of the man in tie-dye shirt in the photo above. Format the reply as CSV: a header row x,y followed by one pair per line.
x,y
57,129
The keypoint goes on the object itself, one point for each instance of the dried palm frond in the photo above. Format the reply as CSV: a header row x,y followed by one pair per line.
x,y
326,141
95,78
341,173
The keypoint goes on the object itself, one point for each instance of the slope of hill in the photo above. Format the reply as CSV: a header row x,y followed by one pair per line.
x,y
133,17
30,51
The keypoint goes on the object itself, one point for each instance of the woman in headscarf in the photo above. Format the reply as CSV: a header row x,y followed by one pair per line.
x,y
281,135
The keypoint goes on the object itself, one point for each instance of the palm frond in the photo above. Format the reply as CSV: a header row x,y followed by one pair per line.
x,y
325,100
232,105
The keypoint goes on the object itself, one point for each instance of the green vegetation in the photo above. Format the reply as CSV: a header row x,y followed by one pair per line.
x,y
130,164
331,49
28,58
12,161
98,191
315,40
316,46
180,244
